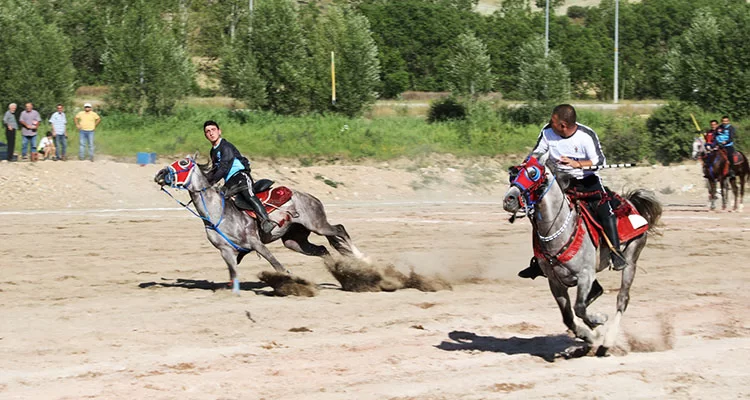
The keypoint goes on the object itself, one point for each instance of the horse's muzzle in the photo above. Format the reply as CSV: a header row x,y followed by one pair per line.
x,y
511,203
160,177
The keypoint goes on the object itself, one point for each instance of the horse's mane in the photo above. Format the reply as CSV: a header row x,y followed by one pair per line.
x,y
563,177
204,168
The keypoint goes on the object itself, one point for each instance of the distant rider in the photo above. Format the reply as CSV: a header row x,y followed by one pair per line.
x,y
710,135
725,139
230,165
574,146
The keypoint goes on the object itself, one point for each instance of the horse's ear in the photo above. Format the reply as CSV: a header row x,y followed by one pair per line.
x,y
195,156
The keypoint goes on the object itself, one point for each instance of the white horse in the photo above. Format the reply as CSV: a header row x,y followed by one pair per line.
x,y
569,257
236,234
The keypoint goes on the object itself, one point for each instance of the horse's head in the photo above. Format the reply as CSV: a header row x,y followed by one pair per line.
x,y
699,147
528,183
178,174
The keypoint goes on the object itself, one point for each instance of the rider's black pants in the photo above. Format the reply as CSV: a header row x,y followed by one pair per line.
x,y
591,184
243,179
730,154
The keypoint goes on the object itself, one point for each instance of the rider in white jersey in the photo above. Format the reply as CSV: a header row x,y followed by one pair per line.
x,y
573,146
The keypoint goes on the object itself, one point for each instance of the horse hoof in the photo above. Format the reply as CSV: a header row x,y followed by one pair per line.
x,y
575,351
602,351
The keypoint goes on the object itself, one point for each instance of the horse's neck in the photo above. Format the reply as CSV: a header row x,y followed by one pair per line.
x,y
552,212
208,201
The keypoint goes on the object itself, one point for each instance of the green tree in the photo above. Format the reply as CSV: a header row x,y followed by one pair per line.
x,y
469,68
278,43
415,36
709,66
671,130
37,56
346,33
239,75
542,79
146,67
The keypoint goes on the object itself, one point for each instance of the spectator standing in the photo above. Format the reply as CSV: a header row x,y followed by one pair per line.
x,y
86,122
11,125
60,131
29,120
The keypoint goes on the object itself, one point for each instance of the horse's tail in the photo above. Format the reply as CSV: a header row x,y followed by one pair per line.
x,y
648,206
745,169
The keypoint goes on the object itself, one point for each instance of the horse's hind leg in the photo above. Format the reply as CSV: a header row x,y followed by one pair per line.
x,y
632,252
339,239
296,239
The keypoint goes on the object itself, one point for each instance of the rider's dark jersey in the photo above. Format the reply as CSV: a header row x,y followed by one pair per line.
x,y
226,161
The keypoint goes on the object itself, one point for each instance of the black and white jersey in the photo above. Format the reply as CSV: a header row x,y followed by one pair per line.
x,y
582,145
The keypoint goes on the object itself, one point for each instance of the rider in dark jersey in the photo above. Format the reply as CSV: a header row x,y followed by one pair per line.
x,y
229,164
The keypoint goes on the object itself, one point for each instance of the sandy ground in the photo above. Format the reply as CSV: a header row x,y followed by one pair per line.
x,y
109,291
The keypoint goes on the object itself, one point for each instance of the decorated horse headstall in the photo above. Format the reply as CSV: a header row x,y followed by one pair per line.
x,y
529,178
178,173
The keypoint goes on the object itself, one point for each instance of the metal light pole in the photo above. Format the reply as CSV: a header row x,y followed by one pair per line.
x,y
617,50
546,30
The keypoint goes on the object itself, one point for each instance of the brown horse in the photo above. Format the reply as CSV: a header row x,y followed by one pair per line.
x,y
717,168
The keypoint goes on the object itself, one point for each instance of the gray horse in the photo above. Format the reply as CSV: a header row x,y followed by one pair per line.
x,y
236,234
556,225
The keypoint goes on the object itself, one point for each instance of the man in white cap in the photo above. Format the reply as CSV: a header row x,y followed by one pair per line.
x,y
86,122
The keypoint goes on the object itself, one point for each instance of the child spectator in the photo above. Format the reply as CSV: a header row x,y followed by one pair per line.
x,y
47,146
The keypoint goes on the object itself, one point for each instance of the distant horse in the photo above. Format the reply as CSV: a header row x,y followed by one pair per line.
x,y
235,232
564,246
716,168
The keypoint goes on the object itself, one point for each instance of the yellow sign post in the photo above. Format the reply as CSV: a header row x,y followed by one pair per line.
x,y
333,79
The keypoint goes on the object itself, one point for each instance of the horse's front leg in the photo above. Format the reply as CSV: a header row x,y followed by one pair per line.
x,y
265,253
229,254
560,292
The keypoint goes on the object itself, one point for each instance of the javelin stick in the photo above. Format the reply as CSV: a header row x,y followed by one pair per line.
x,y
598,167
695,122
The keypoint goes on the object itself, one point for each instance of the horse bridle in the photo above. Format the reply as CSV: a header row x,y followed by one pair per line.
x,y
174,178
531,180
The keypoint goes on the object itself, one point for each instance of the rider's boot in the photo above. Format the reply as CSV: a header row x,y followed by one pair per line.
x,y
610,229
533,270
265,223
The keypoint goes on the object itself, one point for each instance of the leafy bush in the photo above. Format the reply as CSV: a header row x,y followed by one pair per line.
x,y
446,109
671,130
576,12
625,141
527,114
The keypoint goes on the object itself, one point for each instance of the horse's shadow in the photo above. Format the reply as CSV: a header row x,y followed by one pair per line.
x,y
548,348
256,287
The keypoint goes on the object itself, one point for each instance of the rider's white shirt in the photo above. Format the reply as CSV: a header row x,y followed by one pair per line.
x,y
582,145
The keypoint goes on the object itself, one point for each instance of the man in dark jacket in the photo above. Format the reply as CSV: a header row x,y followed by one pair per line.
x,y
229,164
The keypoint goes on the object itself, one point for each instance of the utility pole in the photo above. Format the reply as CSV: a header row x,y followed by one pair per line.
x,y
617,50
546,30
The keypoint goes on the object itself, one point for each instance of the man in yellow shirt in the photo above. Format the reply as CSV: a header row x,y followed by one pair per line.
x,y
86,122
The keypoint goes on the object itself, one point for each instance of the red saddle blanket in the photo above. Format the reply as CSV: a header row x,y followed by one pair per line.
x,y
273,199
630,223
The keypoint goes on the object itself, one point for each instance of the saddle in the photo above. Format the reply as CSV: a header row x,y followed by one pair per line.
x,y
272,198
630,223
